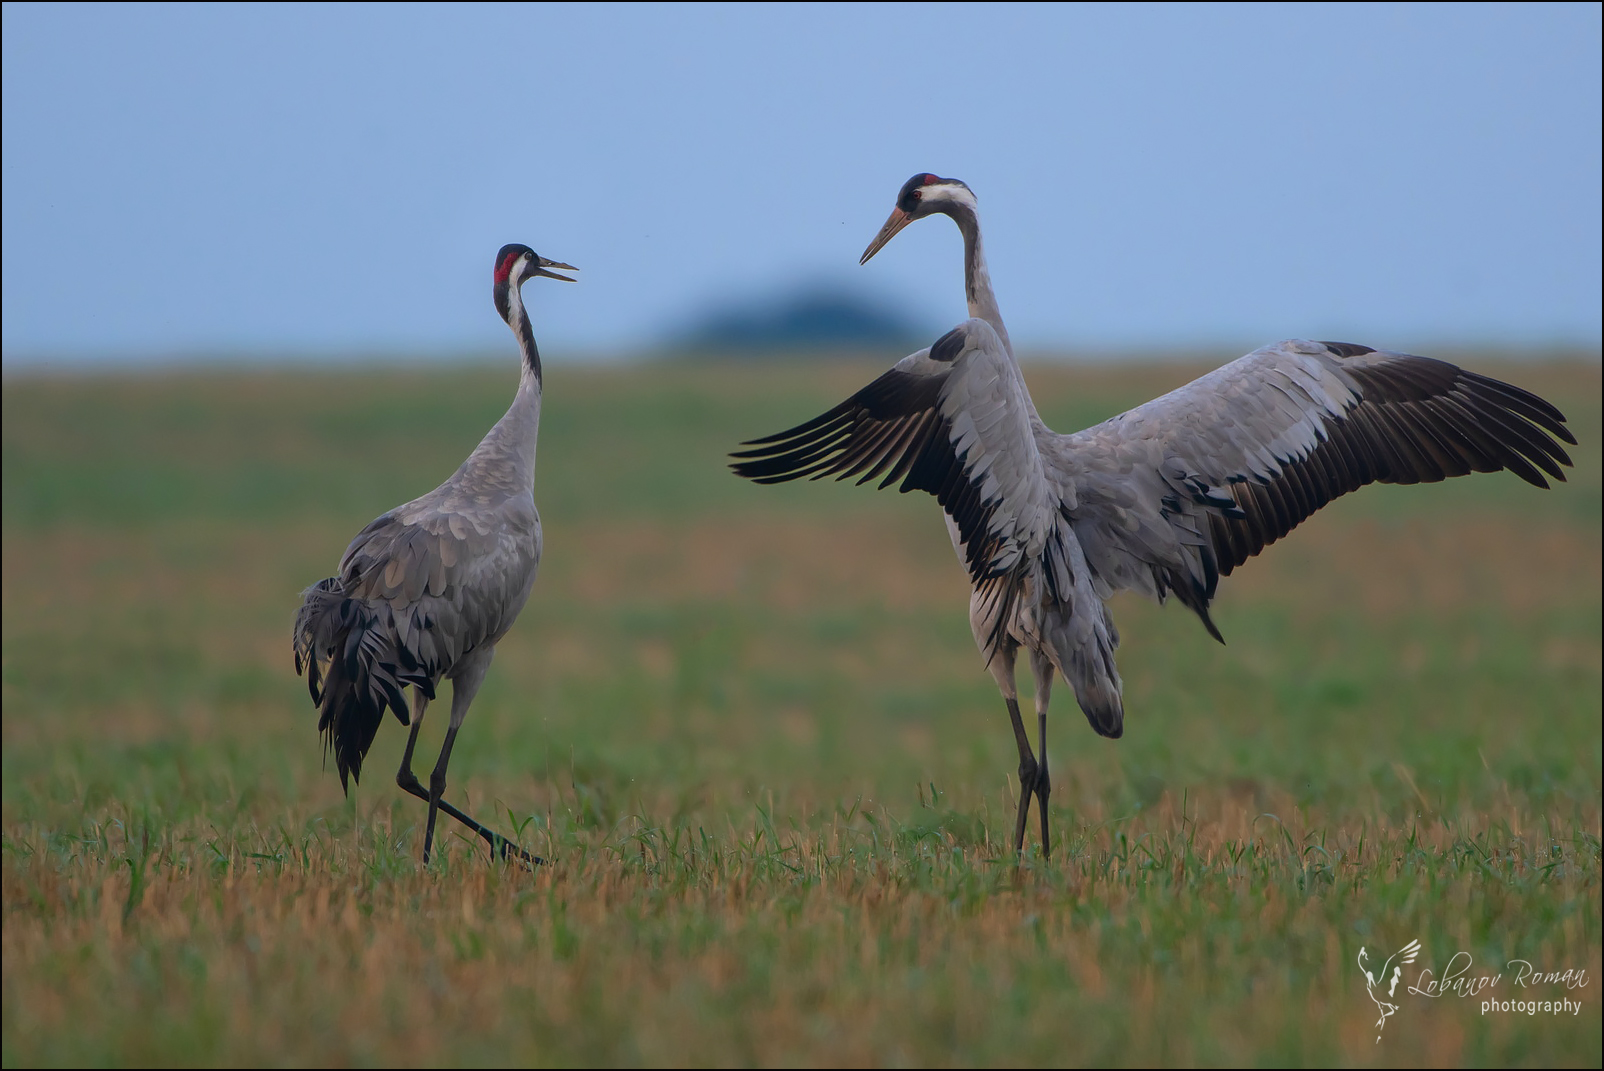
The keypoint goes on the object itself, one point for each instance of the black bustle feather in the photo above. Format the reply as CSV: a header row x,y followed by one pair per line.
x,y
355,670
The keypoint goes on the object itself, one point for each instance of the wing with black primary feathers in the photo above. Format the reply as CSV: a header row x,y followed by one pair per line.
x,y
951,421
1236,459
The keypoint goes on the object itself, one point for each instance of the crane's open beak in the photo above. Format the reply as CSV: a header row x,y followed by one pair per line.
x,y
899,219
541,264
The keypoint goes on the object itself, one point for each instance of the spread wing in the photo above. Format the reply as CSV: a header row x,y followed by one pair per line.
x,y
953,421
1182,490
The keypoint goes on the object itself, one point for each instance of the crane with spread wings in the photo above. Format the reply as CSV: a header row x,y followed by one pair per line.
x,y
1165,499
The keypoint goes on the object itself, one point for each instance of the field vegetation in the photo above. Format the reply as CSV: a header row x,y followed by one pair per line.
x,y
750,731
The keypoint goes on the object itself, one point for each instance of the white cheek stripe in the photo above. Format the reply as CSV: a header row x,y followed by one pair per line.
x,y
945,192
515,281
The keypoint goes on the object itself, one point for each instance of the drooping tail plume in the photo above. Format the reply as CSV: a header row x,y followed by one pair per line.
x,y
355,669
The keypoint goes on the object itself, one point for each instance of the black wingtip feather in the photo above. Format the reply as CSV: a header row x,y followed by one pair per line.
x,y
1417,420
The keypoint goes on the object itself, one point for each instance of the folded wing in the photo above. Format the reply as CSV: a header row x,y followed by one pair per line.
x,y
418,588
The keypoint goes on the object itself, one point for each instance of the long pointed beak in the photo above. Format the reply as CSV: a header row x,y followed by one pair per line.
x,y
541,264
899,219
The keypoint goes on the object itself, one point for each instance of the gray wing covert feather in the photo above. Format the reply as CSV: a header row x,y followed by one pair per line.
x,y
450,585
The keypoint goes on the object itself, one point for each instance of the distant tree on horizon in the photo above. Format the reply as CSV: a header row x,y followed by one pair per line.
x,y
817,319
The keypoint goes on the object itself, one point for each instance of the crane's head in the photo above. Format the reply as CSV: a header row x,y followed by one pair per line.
x,y
921,196
515,265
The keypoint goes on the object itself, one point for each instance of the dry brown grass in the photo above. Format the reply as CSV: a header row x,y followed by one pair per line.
x,y
1215,935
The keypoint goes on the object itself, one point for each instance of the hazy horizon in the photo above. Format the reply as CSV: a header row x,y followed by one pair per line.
x,y
256,183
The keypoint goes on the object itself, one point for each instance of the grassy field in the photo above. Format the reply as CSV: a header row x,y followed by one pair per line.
x,y
750,730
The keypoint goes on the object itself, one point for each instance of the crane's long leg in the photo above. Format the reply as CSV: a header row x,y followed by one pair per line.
x,y
1002,669
404,776
408,781
1042,668
1027,773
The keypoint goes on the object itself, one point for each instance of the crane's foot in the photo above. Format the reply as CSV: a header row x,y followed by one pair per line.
x,y
500,847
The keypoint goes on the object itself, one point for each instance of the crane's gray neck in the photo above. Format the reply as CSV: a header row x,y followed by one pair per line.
x,y
518,319
982,299
977,278
505,458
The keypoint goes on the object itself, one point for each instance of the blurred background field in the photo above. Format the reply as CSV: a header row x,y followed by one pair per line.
x,y
749,728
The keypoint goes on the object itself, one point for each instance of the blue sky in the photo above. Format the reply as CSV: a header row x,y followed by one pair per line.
x,y
192,180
